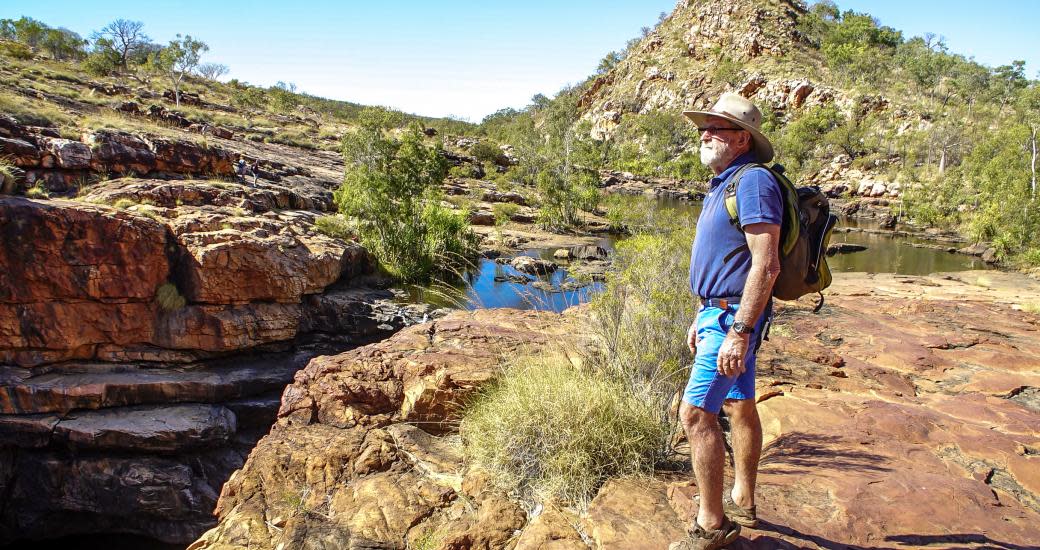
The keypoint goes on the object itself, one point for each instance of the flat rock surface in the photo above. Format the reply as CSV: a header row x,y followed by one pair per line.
x,y
165,428
902,416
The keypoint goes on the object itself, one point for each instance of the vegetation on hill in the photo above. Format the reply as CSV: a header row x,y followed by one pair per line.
x,y
908,110
51,77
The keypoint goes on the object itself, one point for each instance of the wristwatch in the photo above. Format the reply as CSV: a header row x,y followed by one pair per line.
x,y
741,327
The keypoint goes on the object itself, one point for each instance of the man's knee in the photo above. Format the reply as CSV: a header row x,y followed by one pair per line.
x,y
741,411
697,420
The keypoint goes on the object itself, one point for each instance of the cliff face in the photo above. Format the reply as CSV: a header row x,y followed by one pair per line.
x,y
904,415
148,326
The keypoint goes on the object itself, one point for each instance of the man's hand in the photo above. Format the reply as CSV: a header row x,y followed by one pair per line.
x,y
731,354
691,338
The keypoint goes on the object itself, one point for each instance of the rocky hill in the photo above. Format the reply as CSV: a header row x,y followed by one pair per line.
x,y
153,305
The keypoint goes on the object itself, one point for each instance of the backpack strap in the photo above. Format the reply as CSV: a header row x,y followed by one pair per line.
x,y
731,195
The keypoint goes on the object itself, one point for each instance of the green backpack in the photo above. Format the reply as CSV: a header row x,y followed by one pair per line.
x,y
804,235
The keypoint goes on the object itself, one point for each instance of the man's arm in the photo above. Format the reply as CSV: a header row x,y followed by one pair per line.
x,y
764,241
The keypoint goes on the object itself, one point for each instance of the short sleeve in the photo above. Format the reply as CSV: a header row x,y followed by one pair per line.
x,y
759,199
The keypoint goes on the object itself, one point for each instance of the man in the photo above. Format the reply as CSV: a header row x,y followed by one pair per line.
x,y
732,270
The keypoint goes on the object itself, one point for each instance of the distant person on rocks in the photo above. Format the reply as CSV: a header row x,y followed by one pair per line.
x,y
254,169
732,271
240,169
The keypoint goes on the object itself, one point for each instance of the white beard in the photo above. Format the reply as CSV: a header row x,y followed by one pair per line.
x,y
715,155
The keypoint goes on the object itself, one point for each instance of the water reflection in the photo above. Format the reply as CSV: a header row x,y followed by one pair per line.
x,y
489,286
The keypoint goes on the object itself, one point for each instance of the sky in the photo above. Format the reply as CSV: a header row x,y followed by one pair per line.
x,y
469,58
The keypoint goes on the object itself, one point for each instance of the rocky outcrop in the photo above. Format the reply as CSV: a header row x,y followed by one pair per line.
x,y
906,407
362,456
144,348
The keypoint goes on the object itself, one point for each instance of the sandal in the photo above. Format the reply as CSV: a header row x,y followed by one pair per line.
x,y
741,516
699,538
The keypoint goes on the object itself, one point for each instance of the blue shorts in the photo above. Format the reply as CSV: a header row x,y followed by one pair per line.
x,y
707,388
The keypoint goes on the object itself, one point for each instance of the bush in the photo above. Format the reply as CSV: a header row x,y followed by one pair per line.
x,y
15,50
504,211
9,174
37,191
485,151
391,190
169,298
642,315
549,430
337,227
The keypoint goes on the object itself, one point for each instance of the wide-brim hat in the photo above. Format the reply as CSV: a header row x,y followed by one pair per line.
x,y
737,109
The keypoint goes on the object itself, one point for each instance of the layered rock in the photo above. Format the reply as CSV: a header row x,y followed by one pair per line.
x,y
904,415
143,349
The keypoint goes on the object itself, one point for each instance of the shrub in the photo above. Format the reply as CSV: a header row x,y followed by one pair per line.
x,y
14,50
336,226
504,211
9,174
485,151
549,430
391,189
169,298
642,315
123,204
37,191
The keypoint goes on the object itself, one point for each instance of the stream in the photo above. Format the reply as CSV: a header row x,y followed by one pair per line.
x,y
488,286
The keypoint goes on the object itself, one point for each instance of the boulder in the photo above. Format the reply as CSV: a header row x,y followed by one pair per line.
x,y
68,154
588,252
844,248
533,266
20,152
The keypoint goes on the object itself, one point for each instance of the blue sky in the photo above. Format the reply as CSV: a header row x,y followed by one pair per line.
x,y
469,58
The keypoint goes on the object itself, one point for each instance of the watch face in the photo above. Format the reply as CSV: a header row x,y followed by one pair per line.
x,y
742,328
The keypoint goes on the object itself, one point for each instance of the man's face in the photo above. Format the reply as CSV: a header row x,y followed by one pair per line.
x,y
721,142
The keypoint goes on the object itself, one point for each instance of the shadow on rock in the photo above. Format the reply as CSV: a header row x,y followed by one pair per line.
x,y
796,452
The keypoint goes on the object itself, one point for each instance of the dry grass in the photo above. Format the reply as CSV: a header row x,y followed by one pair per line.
x,y
548,430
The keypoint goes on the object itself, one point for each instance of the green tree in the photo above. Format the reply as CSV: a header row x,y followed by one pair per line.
x,y
63,44
178,60
391,188
283,98
28,31
122,39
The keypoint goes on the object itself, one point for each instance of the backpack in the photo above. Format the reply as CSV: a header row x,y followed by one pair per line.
x,y
805,233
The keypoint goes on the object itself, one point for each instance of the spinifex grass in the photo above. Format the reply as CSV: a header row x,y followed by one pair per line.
x,y
547,429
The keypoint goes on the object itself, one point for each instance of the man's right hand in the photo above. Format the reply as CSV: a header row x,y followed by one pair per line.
x,y
691,338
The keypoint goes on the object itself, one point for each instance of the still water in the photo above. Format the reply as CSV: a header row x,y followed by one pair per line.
x,y
485,287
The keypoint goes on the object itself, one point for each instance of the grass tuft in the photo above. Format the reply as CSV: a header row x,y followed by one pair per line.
x,y
336,226
546,429
169,297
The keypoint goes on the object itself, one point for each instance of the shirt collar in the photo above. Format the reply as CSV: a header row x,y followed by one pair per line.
x,y
746,158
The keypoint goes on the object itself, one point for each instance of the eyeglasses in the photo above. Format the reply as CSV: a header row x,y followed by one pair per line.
x,y
715,130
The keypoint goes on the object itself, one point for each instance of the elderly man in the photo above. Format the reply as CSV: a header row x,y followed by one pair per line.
x,y
732,270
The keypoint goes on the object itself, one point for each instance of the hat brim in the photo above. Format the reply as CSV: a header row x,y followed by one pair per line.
x,y
763,147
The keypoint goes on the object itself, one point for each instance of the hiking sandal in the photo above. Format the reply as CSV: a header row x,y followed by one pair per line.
x,y
700,538
741,516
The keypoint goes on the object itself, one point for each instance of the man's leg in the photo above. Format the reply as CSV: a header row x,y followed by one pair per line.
x,y
746,431
707,454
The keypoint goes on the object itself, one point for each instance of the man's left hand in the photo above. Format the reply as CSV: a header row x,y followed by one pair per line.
x,y
731,354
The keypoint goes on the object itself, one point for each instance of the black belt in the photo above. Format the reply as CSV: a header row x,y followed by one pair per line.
x,y
722,303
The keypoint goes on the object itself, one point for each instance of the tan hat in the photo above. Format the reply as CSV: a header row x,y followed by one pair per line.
x,y
738,110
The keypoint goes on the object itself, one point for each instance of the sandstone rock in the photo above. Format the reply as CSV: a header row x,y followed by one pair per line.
x,y
532,266
588,253
632,514
482,217
20,152
562,254
67,154
142,429
844,248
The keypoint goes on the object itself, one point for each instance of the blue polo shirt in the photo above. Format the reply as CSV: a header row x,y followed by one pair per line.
x,y
759,201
